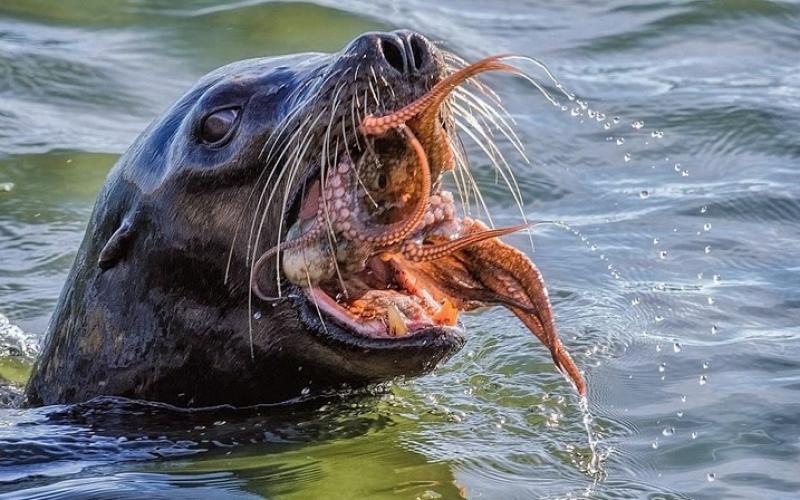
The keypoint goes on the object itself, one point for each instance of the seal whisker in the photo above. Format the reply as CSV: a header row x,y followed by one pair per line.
x,y
475,188
331,234
245,207
250,247
485,143
296,164
354,122
333,244
297,154
492,116
316,305
461,163
496,157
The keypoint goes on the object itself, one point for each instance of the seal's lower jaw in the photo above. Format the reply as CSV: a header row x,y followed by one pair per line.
x,y
389,304
369,355
325,316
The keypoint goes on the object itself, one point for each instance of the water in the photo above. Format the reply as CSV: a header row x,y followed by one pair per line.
x,y
673,269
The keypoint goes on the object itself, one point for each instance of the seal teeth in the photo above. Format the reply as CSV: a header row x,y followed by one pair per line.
x,y
447,315
396,321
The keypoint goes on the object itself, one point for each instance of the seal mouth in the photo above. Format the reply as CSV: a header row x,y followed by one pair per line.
x,y
373,294
388,303
377,248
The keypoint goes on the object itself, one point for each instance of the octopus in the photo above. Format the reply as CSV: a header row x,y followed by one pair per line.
x,y
378,244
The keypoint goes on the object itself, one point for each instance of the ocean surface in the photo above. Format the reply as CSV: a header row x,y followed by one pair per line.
x,y
674,267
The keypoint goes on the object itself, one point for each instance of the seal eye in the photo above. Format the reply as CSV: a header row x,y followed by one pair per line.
x,y
217,126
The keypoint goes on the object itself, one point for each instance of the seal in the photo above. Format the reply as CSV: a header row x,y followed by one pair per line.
x,y
282,230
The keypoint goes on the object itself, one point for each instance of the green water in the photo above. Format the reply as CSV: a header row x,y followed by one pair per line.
x,y
690,340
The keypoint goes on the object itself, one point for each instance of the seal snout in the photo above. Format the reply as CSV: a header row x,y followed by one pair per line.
x,y
403,53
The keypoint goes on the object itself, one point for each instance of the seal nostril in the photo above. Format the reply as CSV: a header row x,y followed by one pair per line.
x,y
418,52
393,54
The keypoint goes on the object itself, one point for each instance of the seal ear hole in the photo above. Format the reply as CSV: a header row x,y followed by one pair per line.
x,y
117,246
217,127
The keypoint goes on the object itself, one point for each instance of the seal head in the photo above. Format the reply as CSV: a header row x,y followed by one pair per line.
x,y
158,304
283,230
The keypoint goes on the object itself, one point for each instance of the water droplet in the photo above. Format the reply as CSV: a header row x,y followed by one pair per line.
x,y
711,301
668,431
703,379
683,398
657,134
694,435
637,124
655,444
575,111
607,125
707,226
679,414
703,209
306,391
662,367
655,241
257,315
699,276
716,278
627,157
677,347
6,186
635,301
658,349
616,120
564,107
601,116
685,173
705,365
644,194
711,477
714,329
592,113
662,254
620,141
594,248
707,249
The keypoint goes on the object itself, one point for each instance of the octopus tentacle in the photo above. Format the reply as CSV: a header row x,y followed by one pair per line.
x,y
509,272
419,253
353,225
379,125
311,234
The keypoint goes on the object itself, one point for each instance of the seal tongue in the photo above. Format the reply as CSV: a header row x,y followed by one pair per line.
x,y
310,204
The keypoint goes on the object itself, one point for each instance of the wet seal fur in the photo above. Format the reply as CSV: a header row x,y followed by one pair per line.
x,y
147,312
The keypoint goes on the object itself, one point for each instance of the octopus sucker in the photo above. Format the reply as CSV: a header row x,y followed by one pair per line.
x,y
401,261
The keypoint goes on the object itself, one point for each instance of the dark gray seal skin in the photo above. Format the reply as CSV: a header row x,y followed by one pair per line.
x,y
146,312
